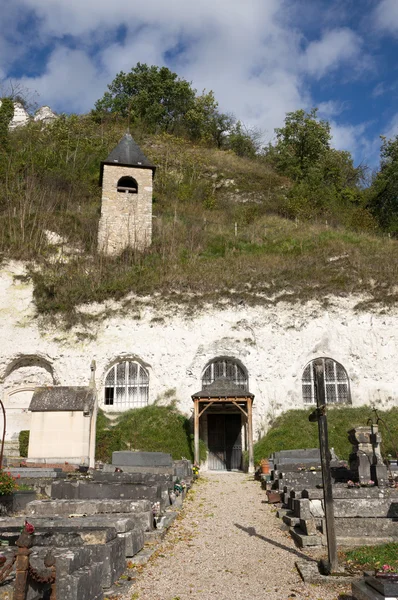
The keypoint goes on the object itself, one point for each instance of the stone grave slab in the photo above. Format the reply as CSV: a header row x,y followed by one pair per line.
x,y
361,591
297,454
141,459
140,510
82,490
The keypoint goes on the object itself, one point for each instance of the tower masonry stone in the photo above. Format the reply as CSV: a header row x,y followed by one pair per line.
x,y
126,219
126,209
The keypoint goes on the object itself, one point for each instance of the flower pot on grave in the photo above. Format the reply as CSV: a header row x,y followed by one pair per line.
x,y
16,502
6,504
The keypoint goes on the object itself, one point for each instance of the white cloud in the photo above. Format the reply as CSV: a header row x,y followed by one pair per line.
x,y
68,75
336,47
386,16
347,136
248,53
240,50
331,108
391,129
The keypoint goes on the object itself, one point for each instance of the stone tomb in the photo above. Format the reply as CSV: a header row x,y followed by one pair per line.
x,y
363,515
63,425
90,540
366,461
139,510
123,458
133,486
370,588
87,560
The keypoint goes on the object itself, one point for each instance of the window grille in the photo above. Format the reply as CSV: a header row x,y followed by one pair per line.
x,y
227,368
127,386
337,390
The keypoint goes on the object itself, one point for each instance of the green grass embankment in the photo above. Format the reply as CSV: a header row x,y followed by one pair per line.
x,y
293,430
151,428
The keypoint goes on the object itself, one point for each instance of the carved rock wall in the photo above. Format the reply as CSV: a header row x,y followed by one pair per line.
x,y
274,343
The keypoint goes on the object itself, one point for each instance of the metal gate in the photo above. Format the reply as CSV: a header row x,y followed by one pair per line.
x,y
224,442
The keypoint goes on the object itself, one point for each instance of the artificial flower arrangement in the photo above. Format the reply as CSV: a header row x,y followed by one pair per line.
x,y
179,487
357,484
195,471
387,569
156,509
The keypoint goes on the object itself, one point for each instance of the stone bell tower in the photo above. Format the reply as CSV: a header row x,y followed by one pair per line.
x,y
126,208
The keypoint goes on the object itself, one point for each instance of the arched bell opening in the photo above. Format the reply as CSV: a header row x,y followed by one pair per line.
x,y
127,185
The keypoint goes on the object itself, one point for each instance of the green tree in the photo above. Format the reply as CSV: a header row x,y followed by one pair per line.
x,y
383,194
6,115
154,96
204,122
300,144
244,141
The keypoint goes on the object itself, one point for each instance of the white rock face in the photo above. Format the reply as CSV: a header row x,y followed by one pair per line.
x,y
45,115
21,116
274,343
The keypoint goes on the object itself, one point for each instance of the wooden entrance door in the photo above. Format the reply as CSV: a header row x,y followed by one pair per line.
x,y
225,442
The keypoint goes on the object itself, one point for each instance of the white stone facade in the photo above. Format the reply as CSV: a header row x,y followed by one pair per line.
x,y
126,219
274,343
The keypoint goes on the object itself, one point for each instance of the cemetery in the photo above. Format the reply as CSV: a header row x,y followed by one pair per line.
x,y
327,502
89,525
78,522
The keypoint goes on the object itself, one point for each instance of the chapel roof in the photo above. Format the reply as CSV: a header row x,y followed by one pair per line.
x,y
62,398
222,388
127,154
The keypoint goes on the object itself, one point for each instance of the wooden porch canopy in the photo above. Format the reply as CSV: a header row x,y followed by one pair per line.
x,y
223,391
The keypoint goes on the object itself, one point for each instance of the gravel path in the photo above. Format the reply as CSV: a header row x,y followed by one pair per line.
x,y
227,545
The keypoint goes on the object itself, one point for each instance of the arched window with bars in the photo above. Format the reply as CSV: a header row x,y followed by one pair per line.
x,y
228,368
337,385
126,386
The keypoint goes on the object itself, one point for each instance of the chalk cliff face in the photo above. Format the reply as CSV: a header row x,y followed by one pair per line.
x,y
22,117
45,115
274,343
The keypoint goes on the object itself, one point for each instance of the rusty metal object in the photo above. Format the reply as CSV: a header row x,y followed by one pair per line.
x,y
4,434
273,497
6,567
24,569
24,543
49,562
49,575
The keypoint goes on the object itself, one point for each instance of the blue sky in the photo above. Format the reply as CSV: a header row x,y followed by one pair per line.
x,y
262,58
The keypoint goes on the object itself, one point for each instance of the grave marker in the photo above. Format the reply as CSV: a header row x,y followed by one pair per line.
x,y
319,415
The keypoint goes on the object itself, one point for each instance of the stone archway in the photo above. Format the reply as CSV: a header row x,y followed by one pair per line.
x,y
22,376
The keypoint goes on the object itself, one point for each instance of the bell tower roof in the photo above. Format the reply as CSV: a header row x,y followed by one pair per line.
x,y
127,154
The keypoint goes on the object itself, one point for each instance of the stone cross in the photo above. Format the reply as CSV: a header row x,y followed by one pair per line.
x,y
366,461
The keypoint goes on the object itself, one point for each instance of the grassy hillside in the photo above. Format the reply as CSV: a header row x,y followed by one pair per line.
x,y
224,226
293,430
